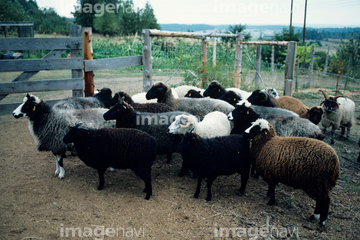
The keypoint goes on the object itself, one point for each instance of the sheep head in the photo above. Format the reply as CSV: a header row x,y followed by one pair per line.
x,y
158,90
75,132
28,107
120,108
214,90
329,104
193,94
315,114
188,139
230,97
259,129
257,97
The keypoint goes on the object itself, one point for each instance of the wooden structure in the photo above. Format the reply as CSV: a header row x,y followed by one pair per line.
x,y
25,29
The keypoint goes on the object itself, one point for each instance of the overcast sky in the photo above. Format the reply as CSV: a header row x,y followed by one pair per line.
x,y
255,12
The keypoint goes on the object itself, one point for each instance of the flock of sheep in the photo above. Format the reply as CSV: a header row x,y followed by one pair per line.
x,y
217,131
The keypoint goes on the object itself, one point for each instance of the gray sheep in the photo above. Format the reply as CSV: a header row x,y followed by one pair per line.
x,y
196,106
116,148
302,163
48,126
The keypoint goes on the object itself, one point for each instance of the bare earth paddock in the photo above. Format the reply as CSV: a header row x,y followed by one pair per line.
x,y
34,204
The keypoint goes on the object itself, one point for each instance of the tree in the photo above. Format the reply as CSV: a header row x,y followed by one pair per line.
x,y
85,13
147,18
235,29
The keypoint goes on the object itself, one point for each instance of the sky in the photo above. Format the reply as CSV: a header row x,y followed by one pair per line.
x,y
255,12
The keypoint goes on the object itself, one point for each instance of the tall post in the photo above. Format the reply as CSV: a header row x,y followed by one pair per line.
x,y
289,69
311,67
76,31
291,12
214,52
337,81
203,61
272,58
304,29
88,55
238,59
257,66
327,60
147,60
348,71
297,74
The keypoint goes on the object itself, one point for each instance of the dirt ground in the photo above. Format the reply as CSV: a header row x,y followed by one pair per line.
x,y
34,204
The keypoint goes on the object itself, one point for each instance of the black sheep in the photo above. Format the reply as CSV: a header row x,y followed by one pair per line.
x,y
142,107
230,97
262,98
193,94
116,148
212,157
155,124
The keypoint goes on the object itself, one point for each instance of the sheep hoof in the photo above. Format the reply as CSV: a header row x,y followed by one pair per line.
x,y
100,188
332,142
147,197
196,195
208,199
61,178
271,202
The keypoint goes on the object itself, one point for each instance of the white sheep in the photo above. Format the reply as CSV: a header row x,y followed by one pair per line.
x,y
214,124
338,112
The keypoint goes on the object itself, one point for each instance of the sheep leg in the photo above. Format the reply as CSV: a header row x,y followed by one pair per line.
x,y
342,131
347,133
184,170
168,157
197,192
332,135
244,180
209,184
325,203
101,178
60,171
271,193
144,173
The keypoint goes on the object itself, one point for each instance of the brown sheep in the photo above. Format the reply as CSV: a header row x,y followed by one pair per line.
x,y
302,163
290,103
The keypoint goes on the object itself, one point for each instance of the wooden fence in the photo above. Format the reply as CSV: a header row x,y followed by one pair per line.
x,y
76,64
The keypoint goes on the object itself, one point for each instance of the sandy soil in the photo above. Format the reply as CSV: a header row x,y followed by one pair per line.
x,y
34,204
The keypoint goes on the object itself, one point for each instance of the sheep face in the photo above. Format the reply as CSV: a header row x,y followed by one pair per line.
x,y
330,104
119,109
28,107
258,127
215,90
157,91
231,97
240,112
257,97
74,133
315,114
193,94
181,125
188,139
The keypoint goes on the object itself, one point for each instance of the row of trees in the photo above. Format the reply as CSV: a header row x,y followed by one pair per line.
x,y
114,17
45,20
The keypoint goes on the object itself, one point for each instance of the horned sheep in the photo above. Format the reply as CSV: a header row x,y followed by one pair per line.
x,y
116,148
212,157
302,163
339,111
290,103
196,106
49,125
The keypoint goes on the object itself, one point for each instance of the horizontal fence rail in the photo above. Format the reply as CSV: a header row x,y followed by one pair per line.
x,y
40,43
18,65
41,86
109,63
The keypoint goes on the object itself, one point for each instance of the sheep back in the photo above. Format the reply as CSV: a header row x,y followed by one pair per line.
x,y
293,104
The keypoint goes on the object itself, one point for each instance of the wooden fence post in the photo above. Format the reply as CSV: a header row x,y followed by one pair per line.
x,y
257,66
147,60
238,59
311,67
348,71
76,31
327,60
214,52
297,74
289,68
88,55
203,61
272,58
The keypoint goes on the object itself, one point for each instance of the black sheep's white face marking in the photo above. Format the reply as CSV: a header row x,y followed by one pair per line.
x,y
29,104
